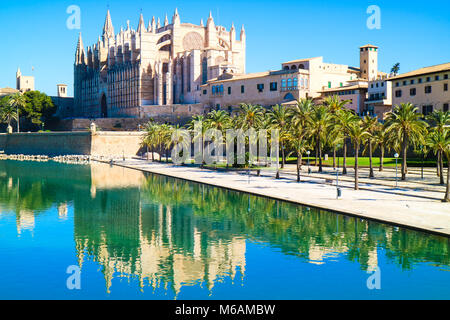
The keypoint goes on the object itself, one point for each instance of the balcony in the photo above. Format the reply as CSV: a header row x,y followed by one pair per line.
x,y
289,89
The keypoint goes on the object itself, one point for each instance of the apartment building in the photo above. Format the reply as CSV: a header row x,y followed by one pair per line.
x,y
427,88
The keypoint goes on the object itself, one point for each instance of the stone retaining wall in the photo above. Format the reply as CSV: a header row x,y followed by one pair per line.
x,y
108,144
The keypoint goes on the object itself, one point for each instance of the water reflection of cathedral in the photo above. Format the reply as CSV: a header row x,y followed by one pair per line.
x,y
158,244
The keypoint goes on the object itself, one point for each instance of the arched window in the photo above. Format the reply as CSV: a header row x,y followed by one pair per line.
x,y
294,67
302,66
286,68
306,83
295,82
283,83
221,88
302,83
289,97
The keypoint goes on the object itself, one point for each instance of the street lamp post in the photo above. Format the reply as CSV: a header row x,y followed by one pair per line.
x,y
396,169
423,160
338,190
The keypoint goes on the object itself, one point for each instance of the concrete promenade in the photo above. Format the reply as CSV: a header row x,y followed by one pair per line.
x,y
413,208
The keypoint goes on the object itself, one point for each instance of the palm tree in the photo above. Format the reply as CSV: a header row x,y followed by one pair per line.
x,y
357,134
250,116
335,104
7,112
370,124
344,119
405,126
335,140
150,137
437,141
18,101
296,140
381,141
181,138
278,118
165,132
301,112
320,123
219,120
396,68
439,120
198,136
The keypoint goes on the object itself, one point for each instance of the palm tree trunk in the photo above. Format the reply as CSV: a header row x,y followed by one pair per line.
x,y
299,165
344,165
315,160
447,191
438,163
441,169
319,147
283,156
334,157
381,157
356,166
405,150
371,175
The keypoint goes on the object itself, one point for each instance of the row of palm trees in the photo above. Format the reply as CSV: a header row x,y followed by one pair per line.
x,y
329,127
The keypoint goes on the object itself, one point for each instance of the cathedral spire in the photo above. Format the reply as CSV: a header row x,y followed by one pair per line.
x,y
108,29
141,27
232,33
176,17
158,25
79,55
242,33
210,22
166,21
201,23
153,25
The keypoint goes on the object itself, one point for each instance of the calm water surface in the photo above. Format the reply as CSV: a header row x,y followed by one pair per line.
x,y
138,236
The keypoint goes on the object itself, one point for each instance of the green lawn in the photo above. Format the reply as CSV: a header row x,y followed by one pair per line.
x,y
364,162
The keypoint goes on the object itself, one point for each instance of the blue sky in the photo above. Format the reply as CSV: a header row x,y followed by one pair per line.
x,y
414,33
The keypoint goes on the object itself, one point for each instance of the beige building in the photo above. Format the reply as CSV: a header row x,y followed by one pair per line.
x,y
297,79
24,83
379,101
155,65
7,91
426,88
355,92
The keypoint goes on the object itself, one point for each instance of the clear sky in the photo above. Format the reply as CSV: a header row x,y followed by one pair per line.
x,y
415,33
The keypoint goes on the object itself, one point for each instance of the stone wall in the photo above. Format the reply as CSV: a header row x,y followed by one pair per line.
x,y
104,124
174,114
72,143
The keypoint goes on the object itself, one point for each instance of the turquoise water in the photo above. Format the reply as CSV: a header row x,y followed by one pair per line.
x,y
137,236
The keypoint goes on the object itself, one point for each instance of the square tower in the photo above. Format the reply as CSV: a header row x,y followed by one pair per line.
x,y
24,83
62,90
369,62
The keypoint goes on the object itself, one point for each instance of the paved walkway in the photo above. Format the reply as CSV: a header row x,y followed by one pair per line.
x,y
413,208
387,178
